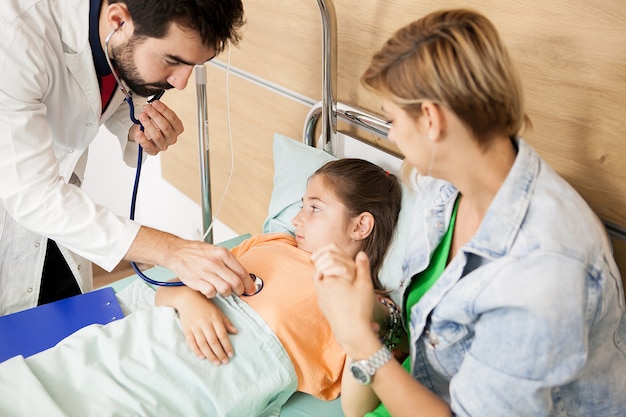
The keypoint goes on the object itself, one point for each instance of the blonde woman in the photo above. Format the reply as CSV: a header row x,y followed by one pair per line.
x,y
512,300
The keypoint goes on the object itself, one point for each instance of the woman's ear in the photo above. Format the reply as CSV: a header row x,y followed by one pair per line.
x,y
433,120
362,226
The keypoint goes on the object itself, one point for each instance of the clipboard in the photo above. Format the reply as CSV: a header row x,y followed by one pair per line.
x,y
31,331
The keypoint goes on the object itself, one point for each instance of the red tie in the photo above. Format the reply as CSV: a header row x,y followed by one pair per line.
x,y
107,87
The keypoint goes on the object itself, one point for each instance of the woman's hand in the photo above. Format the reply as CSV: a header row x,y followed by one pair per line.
x,y
332,262
346,297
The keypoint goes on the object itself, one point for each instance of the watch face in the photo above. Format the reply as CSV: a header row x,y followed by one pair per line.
x,y
359,373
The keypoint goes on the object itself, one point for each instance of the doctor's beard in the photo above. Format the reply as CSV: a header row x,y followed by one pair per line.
x,y
122,61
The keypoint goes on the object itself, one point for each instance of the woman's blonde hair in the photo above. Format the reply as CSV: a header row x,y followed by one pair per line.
x,y
456,59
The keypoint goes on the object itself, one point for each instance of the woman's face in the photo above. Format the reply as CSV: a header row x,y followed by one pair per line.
x,y
322,218
410,137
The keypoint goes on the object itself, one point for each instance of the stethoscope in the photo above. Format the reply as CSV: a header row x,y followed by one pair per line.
x,y
258,282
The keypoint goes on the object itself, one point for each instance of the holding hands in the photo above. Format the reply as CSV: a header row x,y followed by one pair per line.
x,y
347,299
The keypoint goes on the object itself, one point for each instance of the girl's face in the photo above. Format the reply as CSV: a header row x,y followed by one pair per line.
x,y
322,219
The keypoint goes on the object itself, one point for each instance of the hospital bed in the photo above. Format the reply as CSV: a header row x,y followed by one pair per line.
x,y
140,356
294,162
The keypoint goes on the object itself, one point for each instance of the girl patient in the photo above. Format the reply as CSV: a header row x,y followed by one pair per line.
x,y
349,202
276,341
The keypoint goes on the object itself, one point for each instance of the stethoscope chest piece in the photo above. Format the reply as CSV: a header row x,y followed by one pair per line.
x,y
258,285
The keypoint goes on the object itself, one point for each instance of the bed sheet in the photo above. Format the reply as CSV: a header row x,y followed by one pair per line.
x,y
142,366
134,294
298,405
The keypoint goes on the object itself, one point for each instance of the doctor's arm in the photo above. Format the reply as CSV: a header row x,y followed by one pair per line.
x,y
206,268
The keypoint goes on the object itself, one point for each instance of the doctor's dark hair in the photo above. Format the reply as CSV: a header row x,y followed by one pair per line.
x,y
454,58
216,21
362,186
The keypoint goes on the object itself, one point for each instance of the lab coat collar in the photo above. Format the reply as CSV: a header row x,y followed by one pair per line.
x,y
78,56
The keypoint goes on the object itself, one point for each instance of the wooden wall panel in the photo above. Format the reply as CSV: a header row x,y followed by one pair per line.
x,y
571,56
256,114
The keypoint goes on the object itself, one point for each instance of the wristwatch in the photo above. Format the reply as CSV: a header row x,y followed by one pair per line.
x,y
364,370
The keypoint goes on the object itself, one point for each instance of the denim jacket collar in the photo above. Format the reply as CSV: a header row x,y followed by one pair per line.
x,y
493,239
509,207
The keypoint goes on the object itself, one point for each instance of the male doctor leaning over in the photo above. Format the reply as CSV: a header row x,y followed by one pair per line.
x,y
56,88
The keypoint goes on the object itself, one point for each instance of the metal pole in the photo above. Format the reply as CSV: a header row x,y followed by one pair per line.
x,y
203,150
329,74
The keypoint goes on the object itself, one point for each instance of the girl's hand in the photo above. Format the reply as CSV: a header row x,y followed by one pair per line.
x,y
331,261
206,329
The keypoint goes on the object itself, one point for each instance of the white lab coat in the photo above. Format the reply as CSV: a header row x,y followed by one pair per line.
x,y
50,111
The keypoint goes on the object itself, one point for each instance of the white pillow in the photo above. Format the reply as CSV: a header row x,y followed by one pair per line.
x,y
294,163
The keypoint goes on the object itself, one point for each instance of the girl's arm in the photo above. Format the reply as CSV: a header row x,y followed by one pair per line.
x,y
206,328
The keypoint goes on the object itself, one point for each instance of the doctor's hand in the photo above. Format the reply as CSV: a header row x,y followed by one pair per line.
x,y
206,268
161,128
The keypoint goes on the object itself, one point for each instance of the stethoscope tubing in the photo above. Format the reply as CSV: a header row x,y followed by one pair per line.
x,y
133,203
131,112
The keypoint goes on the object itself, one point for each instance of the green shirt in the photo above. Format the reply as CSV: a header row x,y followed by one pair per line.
x,y
420,283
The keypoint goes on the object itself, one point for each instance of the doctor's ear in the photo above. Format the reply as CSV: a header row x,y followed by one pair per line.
x,y
117,15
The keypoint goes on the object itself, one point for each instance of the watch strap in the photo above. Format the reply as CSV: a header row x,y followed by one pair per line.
x,y
378,359
368,367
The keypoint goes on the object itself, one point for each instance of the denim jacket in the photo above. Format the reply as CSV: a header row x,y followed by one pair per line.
x,y
528,317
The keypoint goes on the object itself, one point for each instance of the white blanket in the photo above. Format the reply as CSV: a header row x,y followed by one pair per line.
x,y
142,366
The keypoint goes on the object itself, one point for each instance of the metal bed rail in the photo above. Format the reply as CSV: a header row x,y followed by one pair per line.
x,y
356,117
203,151
329,72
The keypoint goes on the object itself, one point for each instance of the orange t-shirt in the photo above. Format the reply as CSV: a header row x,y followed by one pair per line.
x,y
288,304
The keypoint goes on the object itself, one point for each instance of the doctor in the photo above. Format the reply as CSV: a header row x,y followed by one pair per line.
x,y
56,89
